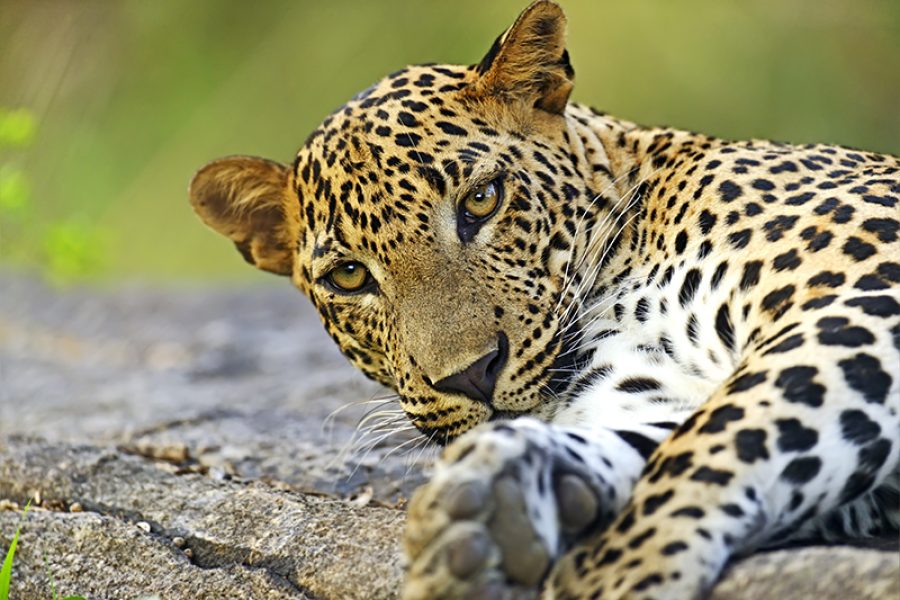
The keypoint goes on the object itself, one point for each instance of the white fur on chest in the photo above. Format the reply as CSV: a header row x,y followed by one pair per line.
x,y
688,372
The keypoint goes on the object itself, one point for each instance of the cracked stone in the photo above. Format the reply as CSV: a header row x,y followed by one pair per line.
x,y
325,547
222,419
102,557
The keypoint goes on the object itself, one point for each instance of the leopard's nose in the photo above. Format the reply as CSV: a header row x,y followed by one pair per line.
x,y
478,380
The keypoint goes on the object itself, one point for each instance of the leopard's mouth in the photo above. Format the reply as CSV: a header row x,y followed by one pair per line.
x,y
555,379
558,376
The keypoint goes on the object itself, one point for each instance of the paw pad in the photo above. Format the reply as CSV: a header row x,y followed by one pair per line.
x,y
577,503
525,559
468,553
466,500
503,504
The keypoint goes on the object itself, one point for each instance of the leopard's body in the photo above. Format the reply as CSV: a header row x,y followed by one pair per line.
x,y
687,348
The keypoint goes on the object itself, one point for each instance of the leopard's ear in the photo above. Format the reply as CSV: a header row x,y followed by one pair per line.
x,y
246,199
529,62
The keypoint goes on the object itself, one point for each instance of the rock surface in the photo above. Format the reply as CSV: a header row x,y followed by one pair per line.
x,y
175,440
245,534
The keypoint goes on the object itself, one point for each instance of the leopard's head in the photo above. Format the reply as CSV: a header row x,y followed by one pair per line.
x,y
432,221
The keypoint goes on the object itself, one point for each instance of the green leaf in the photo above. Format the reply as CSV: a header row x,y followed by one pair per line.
x,y
15,190
6,571
17,127
73,249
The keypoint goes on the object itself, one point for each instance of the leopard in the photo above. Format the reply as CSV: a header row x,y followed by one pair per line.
x,y
645,351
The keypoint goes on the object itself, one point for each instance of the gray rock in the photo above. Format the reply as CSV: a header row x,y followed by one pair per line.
x,y
104,557
185,429
249,540
246,382
816,573
307,545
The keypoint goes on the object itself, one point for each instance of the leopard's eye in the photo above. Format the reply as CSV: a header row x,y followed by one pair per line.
x,y
348,277
481,202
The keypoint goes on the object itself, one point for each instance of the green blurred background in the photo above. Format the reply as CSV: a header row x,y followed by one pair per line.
x,y
107,107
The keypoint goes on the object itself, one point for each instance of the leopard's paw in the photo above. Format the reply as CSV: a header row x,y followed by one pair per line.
x,y
504,503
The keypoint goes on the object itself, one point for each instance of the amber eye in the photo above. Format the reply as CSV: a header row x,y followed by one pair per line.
x,y
348,277
481,202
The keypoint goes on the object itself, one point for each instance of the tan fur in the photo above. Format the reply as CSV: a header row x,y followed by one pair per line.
x,y
726,310
529,65
244,199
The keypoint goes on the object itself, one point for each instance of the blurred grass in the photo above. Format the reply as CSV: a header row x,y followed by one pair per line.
x,y
130,97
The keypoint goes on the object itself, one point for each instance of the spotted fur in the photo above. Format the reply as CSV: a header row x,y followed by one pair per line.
x,y
659,351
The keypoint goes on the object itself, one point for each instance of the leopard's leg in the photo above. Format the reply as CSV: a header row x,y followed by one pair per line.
x,y
508,498
874,514
808,424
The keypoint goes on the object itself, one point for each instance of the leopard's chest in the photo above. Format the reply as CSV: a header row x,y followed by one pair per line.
x,y
658,345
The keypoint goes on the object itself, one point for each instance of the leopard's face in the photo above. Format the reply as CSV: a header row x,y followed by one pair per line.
x,y
436,235
433,221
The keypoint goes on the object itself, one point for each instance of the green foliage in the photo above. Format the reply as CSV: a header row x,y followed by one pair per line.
x,y
17,128
130,97
15,192
72,249
65,249
6,570
16,132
